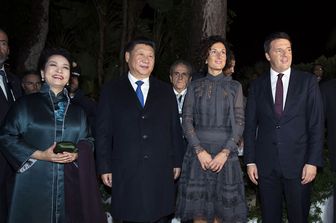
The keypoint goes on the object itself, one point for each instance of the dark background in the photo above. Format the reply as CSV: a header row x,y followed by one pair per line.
x,y
310,25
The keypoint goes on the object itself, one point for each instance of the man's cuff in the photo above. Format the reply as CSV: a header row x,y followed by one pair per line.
x,y
250,164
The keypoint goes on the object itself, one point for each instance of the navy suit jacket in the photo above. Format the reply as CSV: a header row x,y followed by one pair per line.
x,y
291,141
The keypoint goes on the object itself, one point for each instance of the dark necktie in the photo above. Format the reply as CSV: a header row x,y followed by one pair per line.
x,y
278,105
8,92
139,92
179,98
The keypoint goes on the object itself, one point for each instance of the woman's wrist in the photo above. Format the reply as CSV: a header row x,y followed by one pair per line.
x,y
226,152
198,149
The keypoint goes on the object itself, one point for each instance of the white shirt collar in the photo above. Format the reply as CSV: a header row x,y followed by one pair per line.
x,y
274,74
182,92
133,79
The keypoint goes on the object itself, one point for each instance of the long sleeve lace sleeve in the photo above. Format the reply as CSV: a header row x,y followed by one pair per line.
x,y
238,120
188,120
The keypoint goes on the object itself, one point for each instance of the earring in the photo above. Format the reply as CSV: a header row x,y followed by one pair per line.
x,y
42,79
67,84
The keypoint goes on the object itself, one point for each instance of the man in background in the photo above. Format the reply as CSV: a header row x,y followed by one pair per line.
x,y
180,77
78,96
318,70
31,82
10,89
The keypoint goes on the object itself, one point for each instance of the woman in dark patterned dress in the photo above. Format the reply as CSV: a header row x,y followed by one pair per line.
x,y
211,187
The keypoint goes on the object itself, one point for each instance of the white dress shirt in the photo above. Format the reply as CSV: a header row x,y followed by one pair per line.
x,y
3,82
182,94
144,86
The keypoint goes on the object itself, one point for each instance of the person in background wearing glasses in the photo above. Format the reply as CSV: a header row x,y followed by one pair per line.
x,y
211,186
180,77
31,82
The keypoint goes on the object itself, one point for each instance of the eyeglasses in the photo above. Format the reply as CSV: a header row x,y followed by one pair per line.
x,y
214,52
178,74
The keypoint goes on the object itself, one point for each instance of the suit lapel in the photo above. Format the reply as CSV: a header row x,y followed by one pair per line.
x,y
291,98
152,93
267,87
128,94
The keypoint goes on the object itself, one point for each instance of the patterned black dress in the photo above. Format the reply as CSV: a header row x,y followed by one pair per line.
x,y
213,119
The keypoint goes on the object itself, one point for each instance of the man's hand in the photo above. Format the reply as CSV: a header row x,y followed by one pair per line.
x,y
107,179
177,172
252,172
308,173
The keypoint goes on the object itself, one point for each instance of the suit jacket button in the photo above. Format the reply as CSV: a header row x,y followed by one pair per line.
x,y
143,117
146,157
277,126
145,136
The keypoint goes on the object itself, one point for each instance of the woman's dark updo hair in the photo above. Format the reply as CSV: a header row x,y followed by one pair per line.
x,y
206,46
49,52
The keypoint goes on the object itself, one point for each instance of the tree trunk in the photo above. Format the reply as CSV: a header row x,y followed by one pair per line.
x,y
209,17
101,8
131,11
35,36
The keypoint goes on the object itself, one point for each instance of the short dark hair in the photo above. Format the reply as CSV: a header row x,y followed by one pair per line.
x,y
139,40
29,72
182,62
206,46
48,52
231,58
274,36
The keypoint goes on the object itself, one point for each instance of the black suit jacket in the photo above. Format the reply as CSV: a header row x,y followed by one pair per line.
x,y
140,147
6,171
328,91
293,140
15,84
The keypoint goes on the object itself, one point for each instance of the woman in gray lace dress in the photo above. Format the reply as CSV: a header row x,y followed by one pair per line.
x,y
211,187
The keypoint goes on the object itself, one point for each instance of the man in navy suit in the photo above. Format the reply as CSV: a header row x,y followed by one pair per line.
x,y
139,140
10,89
283,134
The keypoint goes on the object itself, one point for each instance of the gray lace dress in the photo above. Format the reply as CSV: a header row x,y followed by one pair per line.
x,y
213,119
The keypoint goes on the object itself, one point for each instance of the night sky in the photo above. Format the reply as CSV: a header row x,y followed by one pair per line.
x,y
309,26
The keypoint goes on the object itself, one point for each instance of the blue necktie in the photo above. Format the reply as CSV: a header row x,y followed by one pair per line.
x,y
139,92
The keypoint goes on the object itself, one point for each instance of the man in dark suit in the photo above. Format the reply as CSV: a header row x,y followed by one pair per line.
x,y
328,91
283,134
10,89
139,139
